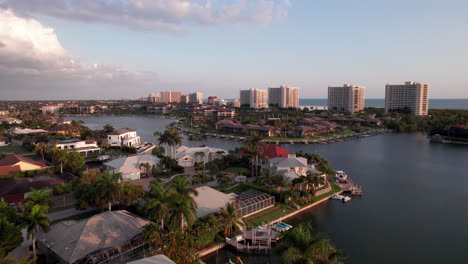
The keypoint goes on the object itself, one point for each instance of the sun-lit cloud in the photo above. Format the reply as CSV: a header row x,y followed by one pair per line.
x,y
157,15
33,65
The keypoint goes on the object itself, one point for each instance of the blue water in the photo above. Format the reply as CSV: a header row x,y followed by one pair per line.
x,y
433,103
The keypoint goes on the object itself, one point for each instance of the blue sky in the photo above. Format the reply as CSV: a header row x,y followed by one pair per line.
x,y
316,44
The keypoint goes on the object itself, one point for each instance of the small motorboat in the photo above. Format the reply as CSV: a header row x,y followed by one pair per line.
x,y
341,198
341,176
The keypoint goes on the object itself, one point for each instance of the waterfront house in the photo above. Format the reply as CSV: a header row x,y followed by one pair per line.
x,y
187,157
123,137
269,152
292,167
215,112
131,167
15,190
111,234
236,128
14,163
86,148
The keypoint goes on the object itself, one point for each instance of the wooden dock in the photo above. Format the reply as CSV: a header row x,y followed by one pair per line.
x,y
256,240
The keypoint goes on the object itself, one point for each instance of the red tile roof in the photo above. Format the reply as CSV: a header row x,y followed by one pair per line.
x,y
13,186
12,159
9,170
273,151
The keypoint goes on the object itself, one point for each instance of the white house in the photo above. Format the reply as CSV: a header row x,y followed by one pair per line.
x,y
130,166
84,147
291,167
186,157
123,137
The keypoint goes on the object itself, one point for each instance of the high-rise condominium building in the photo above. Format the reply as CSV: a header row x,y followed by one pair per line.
x,y
170,97
283,97
411,95
154,97
184,99
348,98
196,98
253,98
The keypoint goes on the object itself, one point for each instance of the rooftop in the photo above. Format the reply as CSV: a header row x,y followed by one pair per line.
x,y
122,131
209,200
74,240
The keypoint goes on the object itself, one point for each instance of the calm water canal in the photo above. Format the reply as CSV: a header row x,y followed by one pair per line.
x,y
415,203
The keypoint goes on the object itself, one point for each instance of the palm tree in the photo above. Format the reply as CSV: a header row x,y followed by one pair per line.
x,y
39,197
170,137
41,148
152,234
301,245
230,219
35,220
60,157
181,185
254,147
108,188
176,139
63,189
158,202
130,193
183,204
183,210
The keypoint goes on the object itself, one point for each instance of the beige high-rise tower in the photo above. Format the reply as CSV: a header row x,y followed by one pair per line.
x,y
412,95
283,97
253,98
348,98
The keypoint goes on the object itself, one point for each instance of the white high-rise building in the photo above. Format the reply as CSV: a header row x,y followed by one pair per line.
x,y
196,98
411,95
348,98
253,98
283,97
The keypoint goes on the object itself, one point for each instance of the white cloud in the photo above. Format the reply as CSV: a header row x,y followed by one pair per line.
x,y
33,65
156,15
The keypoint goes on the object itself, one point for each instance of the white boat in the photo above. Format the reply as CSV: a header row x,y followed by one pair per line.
x,y
341,197
341,176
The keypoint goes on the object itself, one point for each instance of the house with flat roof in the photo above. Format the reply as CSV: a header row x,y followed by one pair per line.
x,y
84,147
130,167
123,137
97,239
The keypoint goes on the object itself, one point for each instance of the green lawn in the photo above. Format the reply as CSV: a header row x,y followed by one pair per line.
x,y
238,170
268,215
335,187
13,149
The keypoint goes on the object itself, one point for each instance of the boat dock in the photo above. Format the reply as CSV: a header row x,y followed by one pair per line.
x,y
255,240
350,187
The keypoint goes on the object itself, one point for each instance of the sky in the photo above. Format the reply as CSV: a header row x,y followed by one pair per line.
x,y
112,49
